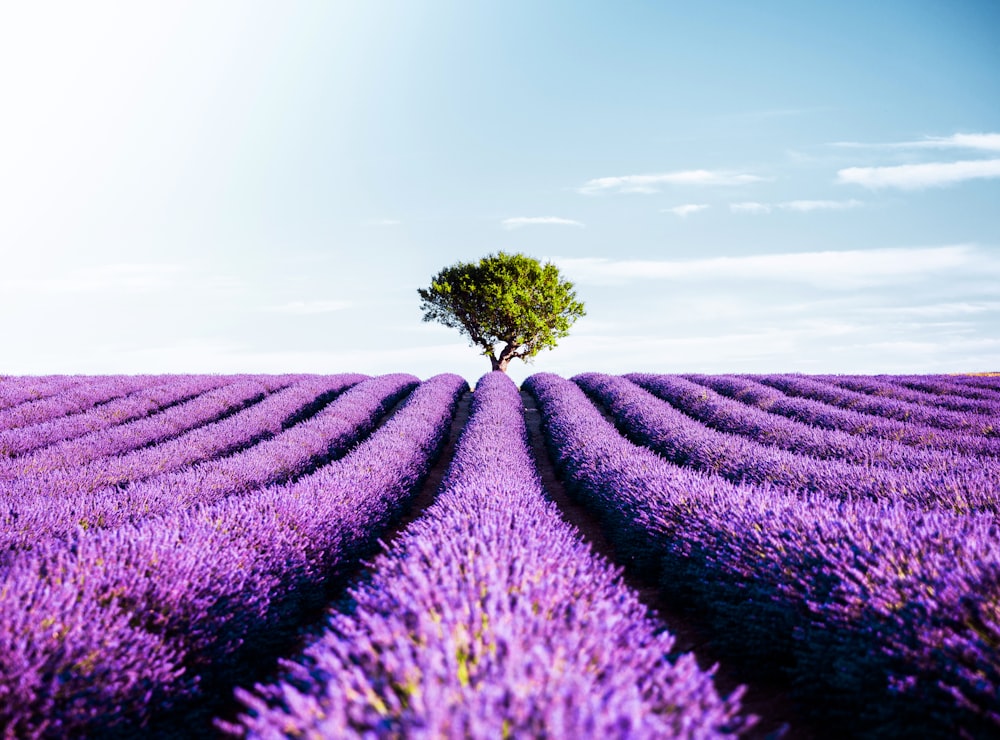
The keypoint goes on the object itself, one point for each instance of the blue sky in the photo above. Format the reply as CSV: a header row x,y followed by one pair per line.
x,y
765,186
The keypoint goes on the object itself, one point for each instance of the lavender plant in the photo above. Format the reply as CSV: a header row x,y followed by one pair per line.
x,y
821,414
961,399
136,405
17,390
950,482
883,407
206,408
30,514
733,417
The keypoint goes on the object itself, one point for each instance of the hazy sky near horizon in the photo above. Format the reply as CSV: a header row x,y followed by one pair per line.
x,y
732,186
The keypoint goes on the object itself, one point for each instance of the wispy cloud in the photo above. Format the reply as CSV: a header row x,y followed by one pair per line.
x,y
652,183
987,142
846,270
749,207
936,310
116,277
799,206
519,221
382,222
685,210
303,308
805,206
984,142
919,176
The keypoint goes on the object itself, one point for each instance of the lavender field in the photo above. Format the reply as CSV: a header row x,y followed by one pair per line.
x,y
635,556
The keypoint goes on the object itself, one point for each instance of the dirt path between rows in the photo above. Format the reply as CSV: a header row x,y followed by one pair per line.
x,y
429,490
766,699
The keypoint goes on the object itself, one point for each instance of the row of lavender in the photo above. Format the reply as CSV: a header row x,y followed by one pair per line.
x,y
258,446
489,617
874,585
137,622
746,445
823,405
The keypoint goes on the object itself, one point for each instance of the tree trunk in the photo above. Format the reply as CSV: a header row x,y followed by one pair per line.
x,y
506,355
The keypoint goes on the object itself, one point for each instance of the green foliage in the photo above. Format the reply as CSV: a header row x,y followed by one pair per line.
x,y
507,300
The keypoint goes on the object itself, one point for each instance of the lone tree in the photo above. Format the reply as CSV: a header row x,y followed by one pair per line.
x,y
507,300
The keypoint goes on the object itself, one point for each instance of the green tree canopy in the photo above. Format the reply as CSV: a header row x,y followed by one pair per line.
x,y
506,301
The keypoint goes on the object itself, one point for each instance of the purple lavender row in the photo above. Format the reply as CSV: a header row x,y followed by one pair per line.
x,y
489,617
262,419
124,631
957,484
136,405
255,424
78,398
989,383
29,515
172,422
728,415
888,408
858,602
18,389
960,388
940,386
826,416
895,387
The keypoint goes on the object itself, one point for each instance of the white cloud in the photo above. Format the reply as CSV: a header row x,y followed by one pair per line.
x,y
686,210
985,142
804,206
921,350
800,206
937,310
988,142
303,308
519,221
117,277
651,183
749,207
846,270
917,176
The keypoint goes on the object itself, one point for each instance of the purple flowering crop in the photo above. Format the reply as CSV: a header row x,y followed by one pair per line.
x,y
821,414
956,483
728,415
164,539
853,600
988,383
115,629
29,514
889,408
962,398
206,408
490,618
135,405
75,399
15,390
